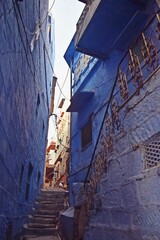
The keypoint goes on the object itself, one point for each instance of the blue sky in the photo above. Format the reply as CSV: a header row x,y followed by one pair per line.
x,y
66,14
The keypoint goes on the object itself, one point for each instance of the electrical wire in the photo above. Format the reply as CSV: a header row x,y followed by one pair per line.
x,y
62,87
31,33
65,78
23,25
52,65
59,117
8,12
25,48
23,44
48,12
57,133
103,83
40,90
24,28
62,92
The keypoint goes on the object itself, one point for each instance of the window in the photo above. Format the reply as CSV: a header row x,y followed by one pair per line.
x,y
38,179
152,153
86,134
38,104
21,175
30,170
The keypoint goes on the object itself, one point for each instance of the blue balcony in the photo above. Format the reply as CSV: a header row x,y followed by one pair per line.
x,y
106,25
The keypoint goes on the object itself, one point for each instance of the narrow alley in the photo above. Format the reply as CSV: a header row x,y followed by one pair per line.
x,y
79,120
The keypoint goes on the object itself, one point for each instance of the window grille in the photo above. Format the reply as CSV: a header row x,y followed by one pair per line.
x,y
152,153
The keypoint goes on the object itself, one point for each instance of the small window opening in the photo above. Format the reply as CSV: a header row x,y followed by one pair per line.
x,y
21,175
30,170
38,103
86,134
38,179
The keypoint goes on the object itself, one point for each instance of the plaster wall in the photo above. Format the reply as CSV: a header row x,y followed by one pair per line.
x,y
129,192
24,102
100,81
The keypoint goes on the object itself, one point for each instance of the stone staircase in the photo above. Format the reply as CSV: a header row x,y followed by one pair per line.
x,y
43,223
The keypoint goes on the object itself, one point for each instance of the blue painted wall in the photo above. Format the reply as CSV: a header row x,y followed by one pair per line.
x,y
25,79
100,81
128,192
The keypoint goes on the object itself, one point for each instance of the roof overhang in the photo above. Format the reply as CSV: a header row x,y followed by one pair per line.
x,y
104,22
79,100
69,54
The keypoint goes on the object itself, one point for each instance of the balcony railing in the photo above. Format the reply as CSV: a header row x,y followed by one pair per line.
x,y
135,69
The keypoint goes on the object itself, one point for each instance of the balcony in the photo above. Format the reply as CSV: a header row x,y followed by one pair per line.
x,y
106,24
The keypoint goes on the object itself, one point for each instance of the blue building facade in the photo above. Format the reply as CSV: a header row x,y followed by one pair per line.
x,y
115,129
26,37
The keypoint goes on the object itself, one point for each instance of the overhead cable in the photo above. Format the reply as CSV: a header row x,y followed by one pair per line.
x,y
52,65
48,12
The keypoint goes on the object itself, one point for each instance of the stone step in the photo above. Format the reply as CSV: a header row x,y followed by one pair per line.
x,y
34,237
44,213
45,216
52,206
42,220
41,225
47,212
37,215
53,193
51,198
50,201
39,231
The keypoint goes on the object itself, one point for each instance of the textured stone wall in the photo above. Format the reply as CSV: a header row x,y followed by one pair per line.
x,y
94,107
126,204
24,100
129,193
